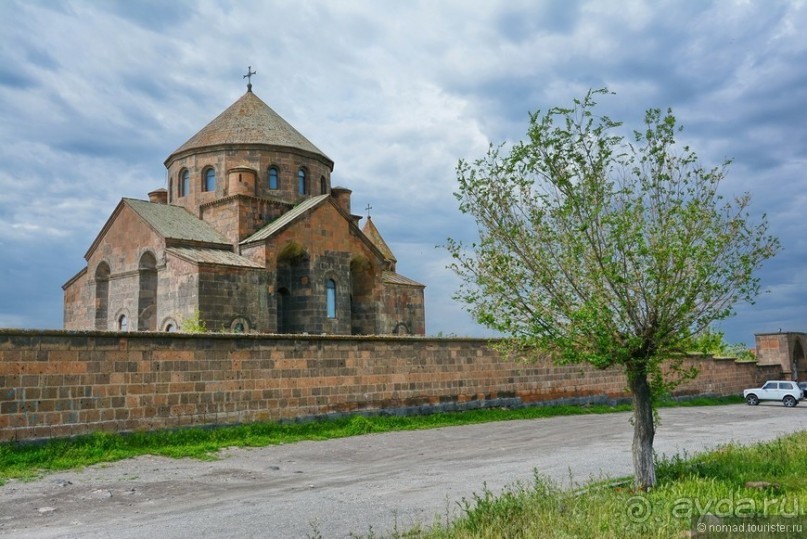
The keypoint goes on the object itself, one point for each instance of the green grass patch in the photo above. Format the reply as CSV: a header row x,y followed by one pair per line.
x,y
714,483
29,460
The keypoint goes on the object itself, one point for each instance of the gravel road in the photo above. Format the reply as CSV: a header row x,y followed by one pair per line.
x,y
356,485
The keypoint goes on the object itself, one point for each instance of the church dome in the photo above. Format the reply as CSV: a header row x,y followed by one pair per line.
x,y
248,121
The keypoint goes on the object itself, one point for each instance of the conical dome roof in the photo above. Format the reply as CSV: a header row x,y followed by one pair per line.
x,y
249,121
374,236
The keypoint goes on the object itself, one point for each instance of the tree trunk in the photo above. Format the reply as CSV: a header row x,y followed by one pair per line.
x,y
643,429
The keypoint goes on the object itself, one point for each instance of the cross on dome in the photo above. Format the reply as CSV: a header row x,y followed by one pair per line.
x,y
248,76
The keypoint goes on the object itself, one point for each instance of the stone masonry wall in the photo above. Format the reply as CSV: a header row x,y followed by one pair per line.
x,y
227,293
786,350
57,383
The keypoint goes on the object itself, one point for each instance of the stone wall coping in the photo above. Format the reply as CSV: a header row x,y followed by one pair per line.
x,y
136,335
247,336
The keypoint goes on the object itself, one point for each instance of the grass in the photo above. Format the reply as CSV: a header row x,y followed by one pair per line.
x,y
688,488
31,460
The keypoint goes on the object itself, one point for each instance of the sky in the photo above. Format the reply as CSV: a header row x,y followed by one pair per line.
x,y
95,95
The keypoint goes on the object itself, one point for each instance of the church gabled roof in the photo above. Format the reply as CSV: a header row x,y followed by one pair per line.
x,y
390,277
286,219
249,121
175,222
218,257
374,235
298,212
170,222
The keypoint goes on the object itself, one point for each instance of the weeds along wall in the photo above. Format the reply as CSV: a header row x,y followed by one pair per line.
x,y
58,383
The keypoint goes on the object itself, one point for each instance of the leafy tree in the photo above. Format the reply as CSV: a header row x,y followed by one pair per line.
x,y
193,323
713,342
592,248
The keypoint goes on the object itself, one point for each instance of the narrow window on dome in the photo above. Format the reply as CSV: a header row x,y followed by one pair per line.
x,y
185,184
302,188
123,323
210,179
330,298
323,186
273,181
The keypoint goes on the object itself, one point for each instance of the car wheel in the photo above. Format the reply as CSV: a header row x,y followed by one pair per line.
x,y
790,401
752,400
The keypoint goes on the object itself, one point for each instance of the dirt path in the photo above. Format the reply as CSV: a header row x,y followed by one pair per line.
x,y
355,485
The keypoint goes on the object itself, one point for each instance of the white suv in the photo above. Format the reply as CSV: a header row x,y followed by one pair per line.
x,y
775,390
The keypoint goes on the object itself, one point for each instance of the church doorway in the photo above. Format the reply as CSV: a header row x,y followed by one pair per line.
x,y
283,322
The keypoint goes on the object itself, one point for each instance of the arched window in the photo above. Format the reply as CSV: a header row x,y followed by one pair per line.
x,y
123,323
210,179
185,183
170,325
273,181
330,298
323,186
240,325
302,186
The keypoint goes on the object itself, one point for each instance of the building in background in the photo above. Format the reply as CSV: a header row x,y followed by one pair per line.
x,y
249,237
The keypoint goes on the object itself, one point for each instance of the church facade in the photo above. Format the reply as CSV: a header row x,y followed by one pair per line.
x,y
249,236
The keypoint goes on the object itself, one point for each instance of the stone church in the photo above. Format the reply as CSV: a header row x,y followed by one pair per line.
x,y
249,236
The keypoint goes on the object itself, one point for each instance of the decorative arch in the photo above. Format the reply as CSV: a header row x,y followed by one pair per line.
x,y
147,292
102,273
298,302
362,306
361,275
291,252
